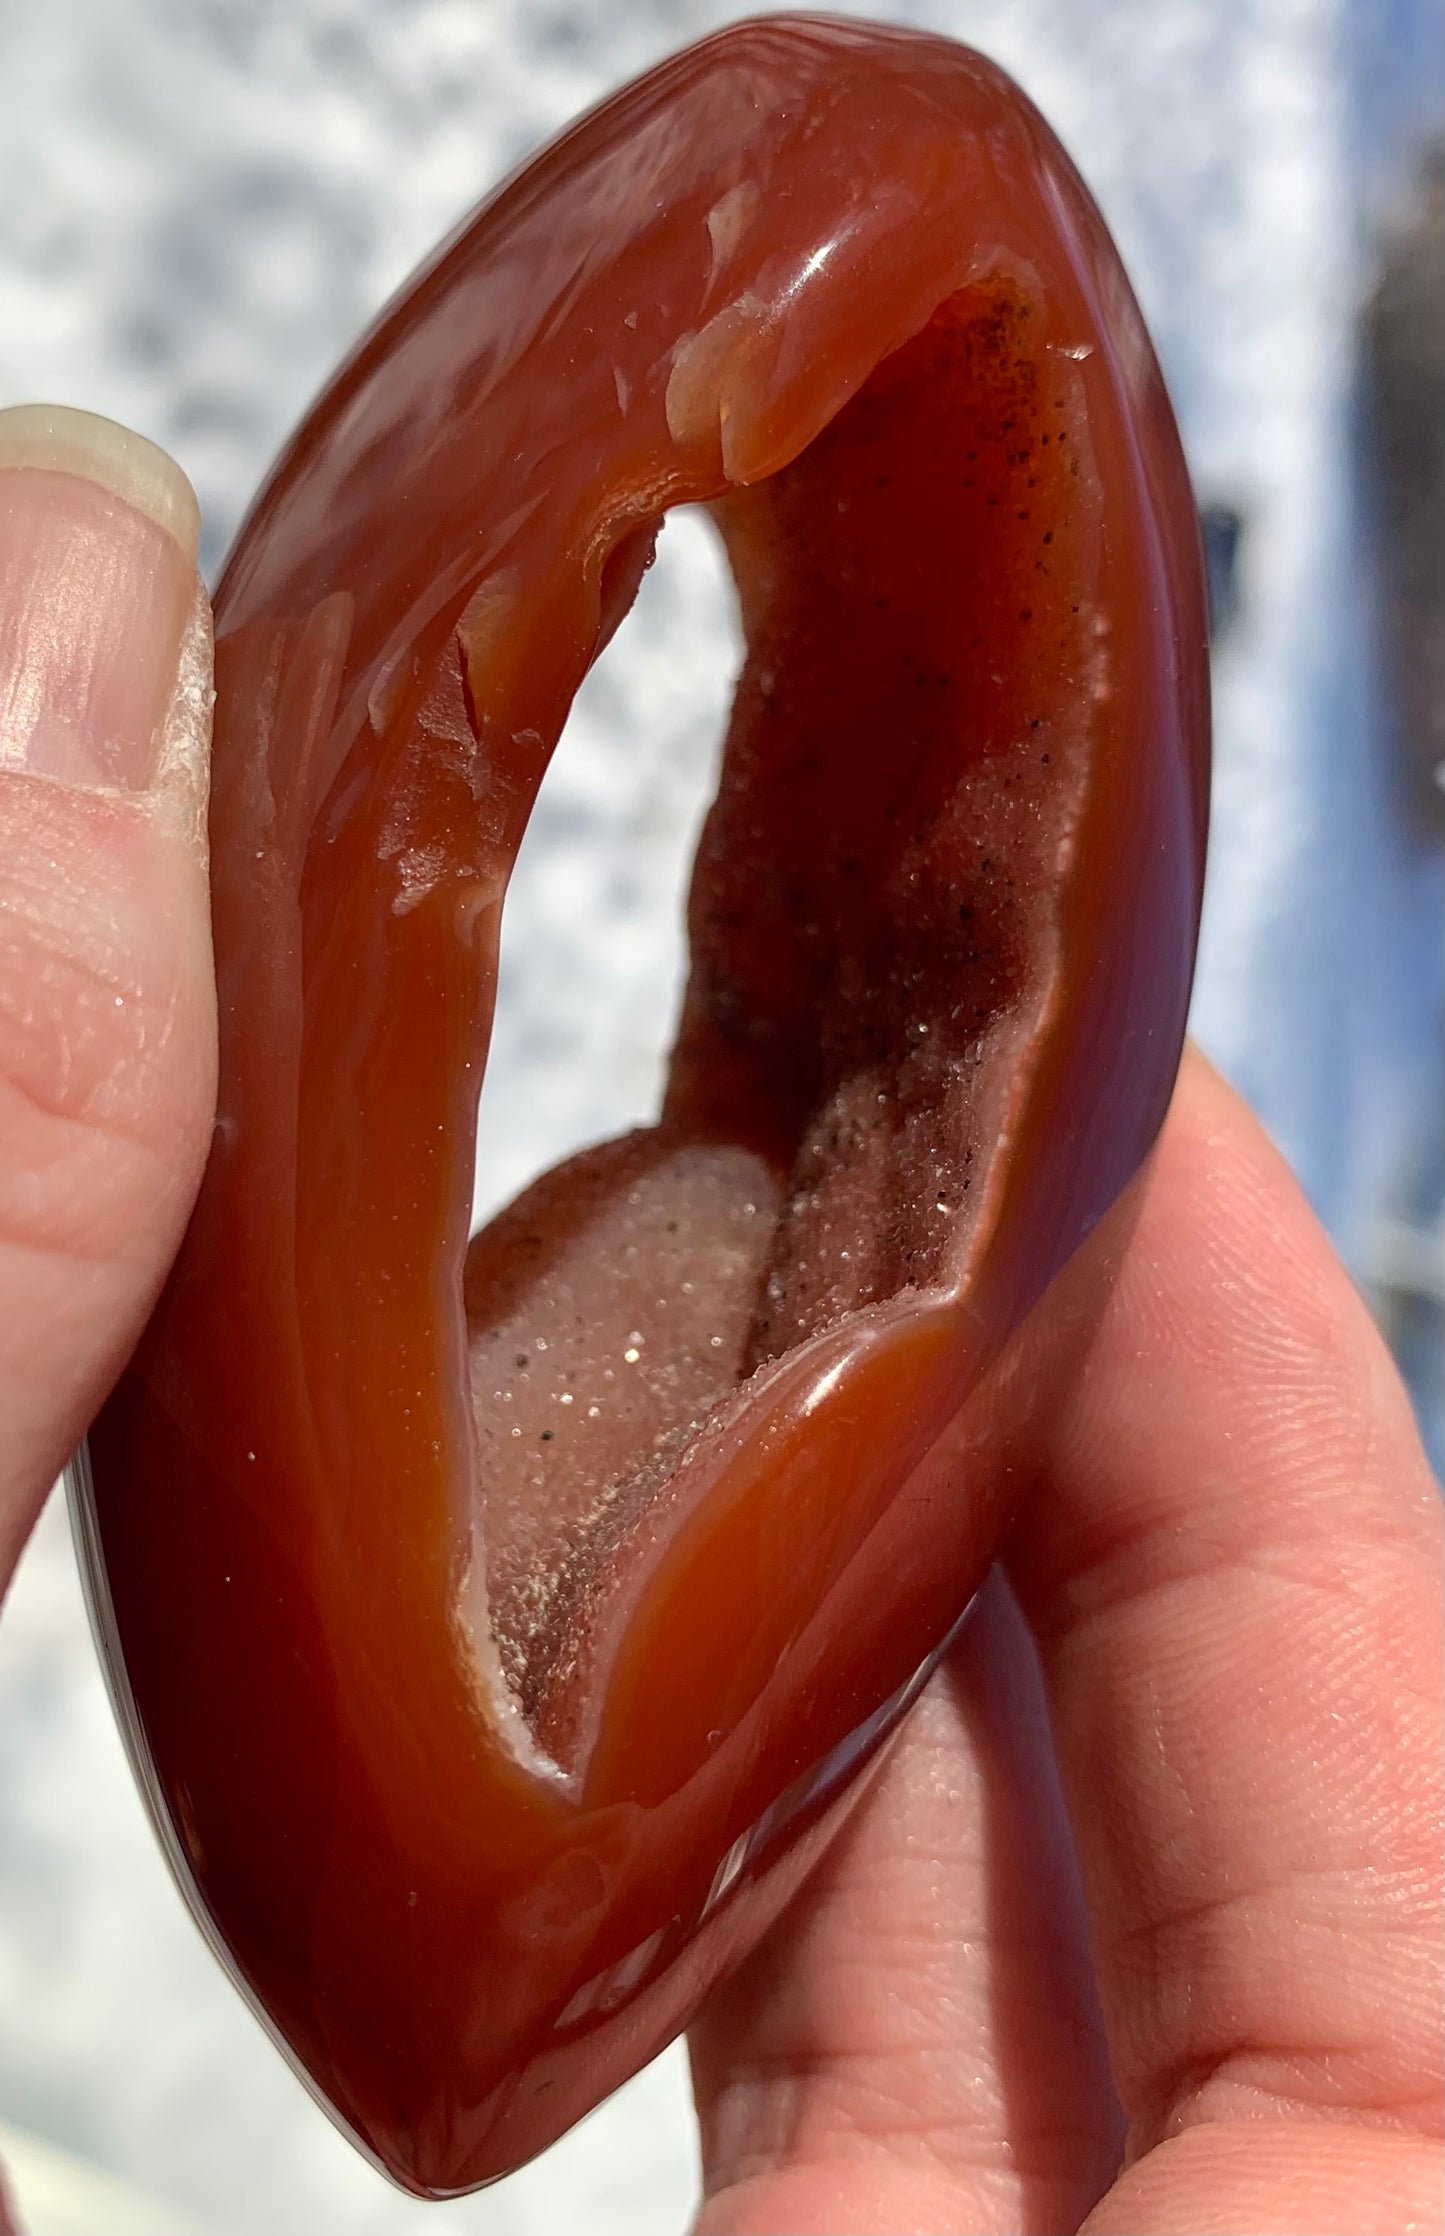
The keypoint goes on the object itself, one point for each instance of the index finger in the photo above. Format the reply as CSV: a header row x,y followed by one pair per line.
x,y
1232,1568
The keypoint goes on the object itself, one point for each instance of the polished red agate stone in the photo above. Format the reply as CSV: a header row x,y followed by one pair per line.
x,y
502,1623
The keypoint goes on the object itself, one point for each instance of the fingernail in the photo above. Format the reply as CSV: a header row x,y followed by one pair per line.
x,y
98,537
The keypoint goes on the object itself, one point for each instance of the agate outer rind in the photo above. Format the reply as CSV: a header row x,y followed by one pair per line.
x,y
477,1791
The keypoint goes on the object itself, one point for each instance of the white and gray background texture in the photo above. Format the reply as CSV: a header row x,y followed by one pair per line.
x,y
201,201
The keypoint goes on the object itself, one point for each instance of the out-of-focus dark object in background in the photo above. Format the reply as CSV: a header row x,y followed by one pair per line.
x,y
1402,398
1222,530
1404,429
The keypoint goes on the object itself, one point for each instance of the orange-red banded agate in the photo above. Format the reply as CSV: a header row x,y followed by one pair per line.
x,y
501,1624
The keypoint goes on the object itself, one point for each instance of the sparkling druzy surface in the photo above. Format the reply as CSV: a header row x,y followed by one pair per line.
x,y
500,1625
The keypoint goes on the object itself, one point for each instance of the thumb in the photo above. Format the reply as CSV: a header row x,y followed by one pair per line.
x,y
107,1007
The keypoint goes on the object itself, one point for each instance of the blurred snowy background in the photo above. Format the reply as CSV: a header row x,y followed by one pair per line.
x,y
200,203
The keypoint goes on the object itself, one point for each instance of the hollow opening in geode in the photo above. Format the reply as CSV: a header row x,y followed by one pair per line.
x,y
593,955
872,930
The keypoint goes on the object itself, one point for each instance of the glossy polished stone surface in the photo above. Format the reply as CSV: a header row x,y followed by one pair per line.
x,y
503,1622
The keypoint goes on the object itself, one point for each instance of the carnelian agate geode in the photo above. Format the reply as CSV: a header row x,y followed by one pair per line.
x,y
500,1623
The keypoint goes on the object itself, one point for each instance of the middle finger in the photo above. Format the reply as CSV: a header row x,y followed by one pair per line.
x,y
921,2033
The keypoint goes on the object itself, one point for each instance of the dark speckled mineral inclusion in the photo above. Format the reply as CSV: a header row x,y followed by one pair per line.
x,y
500,1626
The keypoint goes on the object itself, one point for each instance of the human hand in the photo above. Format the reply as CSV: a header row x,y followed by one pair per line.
x,y
107,1008
1230,1562
1224,1594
